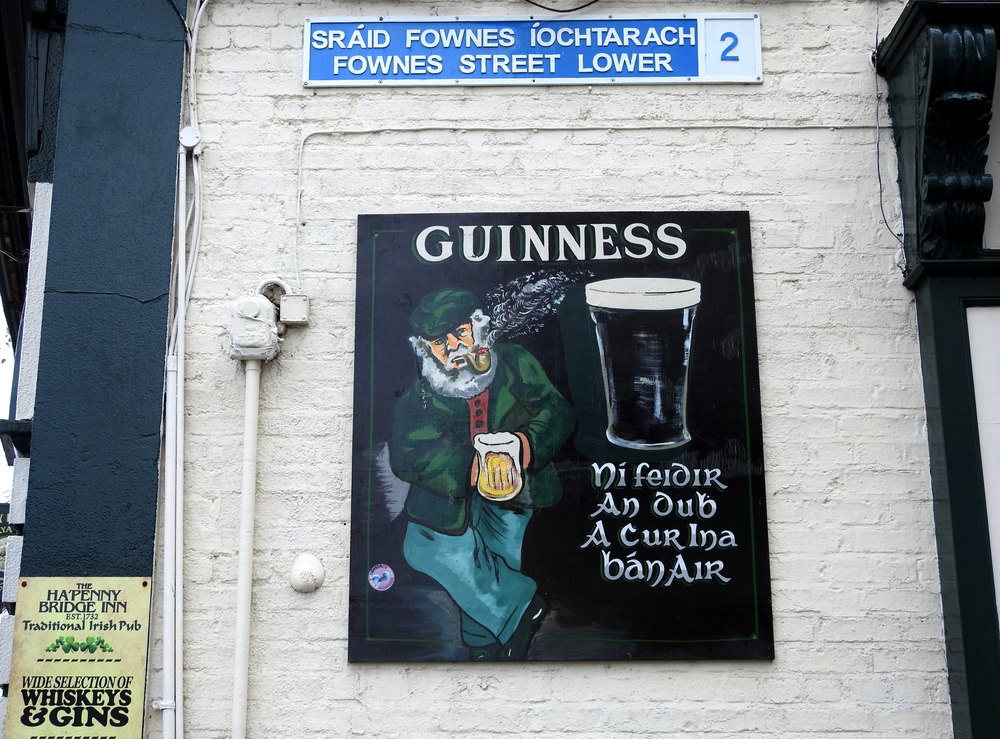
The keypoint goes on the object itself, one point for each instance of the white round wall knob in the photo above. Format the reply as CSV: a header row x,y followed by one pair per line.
x,y
190,137
307,573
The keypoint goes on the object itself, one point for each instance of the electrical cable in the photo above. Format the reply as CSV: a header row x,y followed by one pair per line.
x,y
557,10
878,170
172,335
14,259
195,239
192,221
878,139
192,93
178,12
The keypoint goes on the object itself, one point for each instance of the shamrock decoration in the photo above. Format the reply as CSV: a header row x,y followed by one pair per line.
x,y
69,644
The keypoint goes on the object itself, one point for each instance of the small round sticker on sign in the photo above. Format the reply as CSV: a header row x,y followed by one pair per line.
x,y
381,577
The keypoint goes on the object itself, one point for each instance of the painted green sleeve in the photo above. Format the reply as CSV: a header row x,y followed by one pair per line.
x,y
425,449
551,417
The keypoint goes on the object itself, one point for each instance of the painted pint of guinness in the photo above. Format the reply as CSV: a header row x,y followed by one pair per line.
x,y
644,327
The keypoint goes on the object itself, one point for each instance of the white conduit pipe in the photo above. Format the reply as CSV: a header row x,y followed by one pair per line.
x,y
245,579
181,318
167,703
173,482
172,701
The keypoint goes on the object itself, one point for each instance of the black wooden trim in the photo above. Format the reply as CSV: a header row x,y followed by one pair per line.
x,y
45,41
920,13
14,205
15,435
952,268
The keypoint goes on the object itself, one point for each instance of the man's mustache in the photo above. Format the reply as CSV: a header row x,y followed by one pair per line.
x,y
459,351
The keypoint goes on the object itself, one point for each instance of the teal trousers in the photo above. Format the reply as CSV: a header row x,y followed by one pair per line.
x,y
480,569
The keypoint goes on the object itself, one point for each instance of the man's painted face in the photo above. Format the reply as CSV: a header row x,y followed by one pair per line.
x,y
456,364
453,349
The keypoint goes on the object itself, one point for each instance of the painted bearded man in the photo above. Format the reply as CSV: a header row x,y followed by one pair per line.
x,y
466,529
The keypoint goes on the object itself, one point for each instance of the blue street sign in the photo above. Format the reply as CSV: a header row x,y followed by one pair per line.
x,y
711,47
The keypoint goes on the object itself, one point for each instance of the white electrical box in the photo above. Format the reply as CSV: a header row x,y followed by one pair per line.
x,y
295,310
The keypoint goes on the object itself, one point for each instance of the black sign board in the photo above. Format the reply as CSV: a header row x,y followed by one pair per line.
x,y
557,439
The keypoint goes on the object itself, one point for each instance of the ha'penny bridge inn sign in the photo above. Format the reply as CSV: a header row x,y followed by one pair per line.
x,y
686,48
78,666
557,439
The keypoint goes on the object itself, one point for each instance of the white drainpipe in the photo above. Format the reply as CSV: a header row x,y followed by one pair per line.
x,y
244,586
253,335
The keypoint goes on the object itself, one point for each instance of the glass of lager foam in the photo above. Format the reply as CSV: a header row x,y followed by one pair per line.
x,y
644,327
500,476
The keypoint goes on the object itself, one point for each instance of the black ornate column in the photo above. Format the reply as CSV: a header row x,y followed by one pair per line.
x,y
959,68
941,76
941,63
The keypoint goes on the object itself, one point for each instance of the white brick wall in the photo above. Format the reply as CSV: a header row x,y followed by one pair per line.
x,y
857,617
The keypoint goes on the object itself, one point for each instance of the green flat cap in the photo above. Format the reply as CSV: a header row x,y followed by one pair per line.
x,y
443,310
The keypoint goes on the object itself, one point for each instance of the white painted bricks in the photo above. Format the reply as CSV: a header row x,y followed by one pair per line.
x,y
19,489
12,568
857,619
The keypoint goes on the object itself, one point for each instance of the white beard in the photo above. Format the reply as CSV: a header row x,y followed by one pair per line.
x,y
461,382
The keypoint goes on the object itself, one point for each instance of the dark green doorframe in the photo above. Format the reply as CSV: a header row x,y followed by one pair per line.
x,y
967,585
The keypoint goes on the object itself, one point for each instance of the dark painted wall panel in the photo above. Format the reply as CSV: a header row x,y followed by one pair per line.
x,y
93,484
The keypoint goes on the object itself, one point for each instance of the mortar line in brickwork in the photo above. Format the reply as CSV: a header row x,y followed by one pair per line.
x,y
610,129
532,129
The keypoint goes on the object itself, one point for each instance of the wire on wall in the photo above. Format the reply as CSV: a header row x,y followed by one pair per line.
x,y
559,10
878,170
878,136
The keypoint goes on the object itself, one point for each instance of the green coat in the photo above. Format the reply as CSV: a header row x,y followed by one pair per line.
x,y
432,451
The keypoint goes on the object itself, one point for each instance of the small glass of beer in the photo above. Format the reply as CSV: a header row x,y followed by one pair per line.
x,y
499,466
